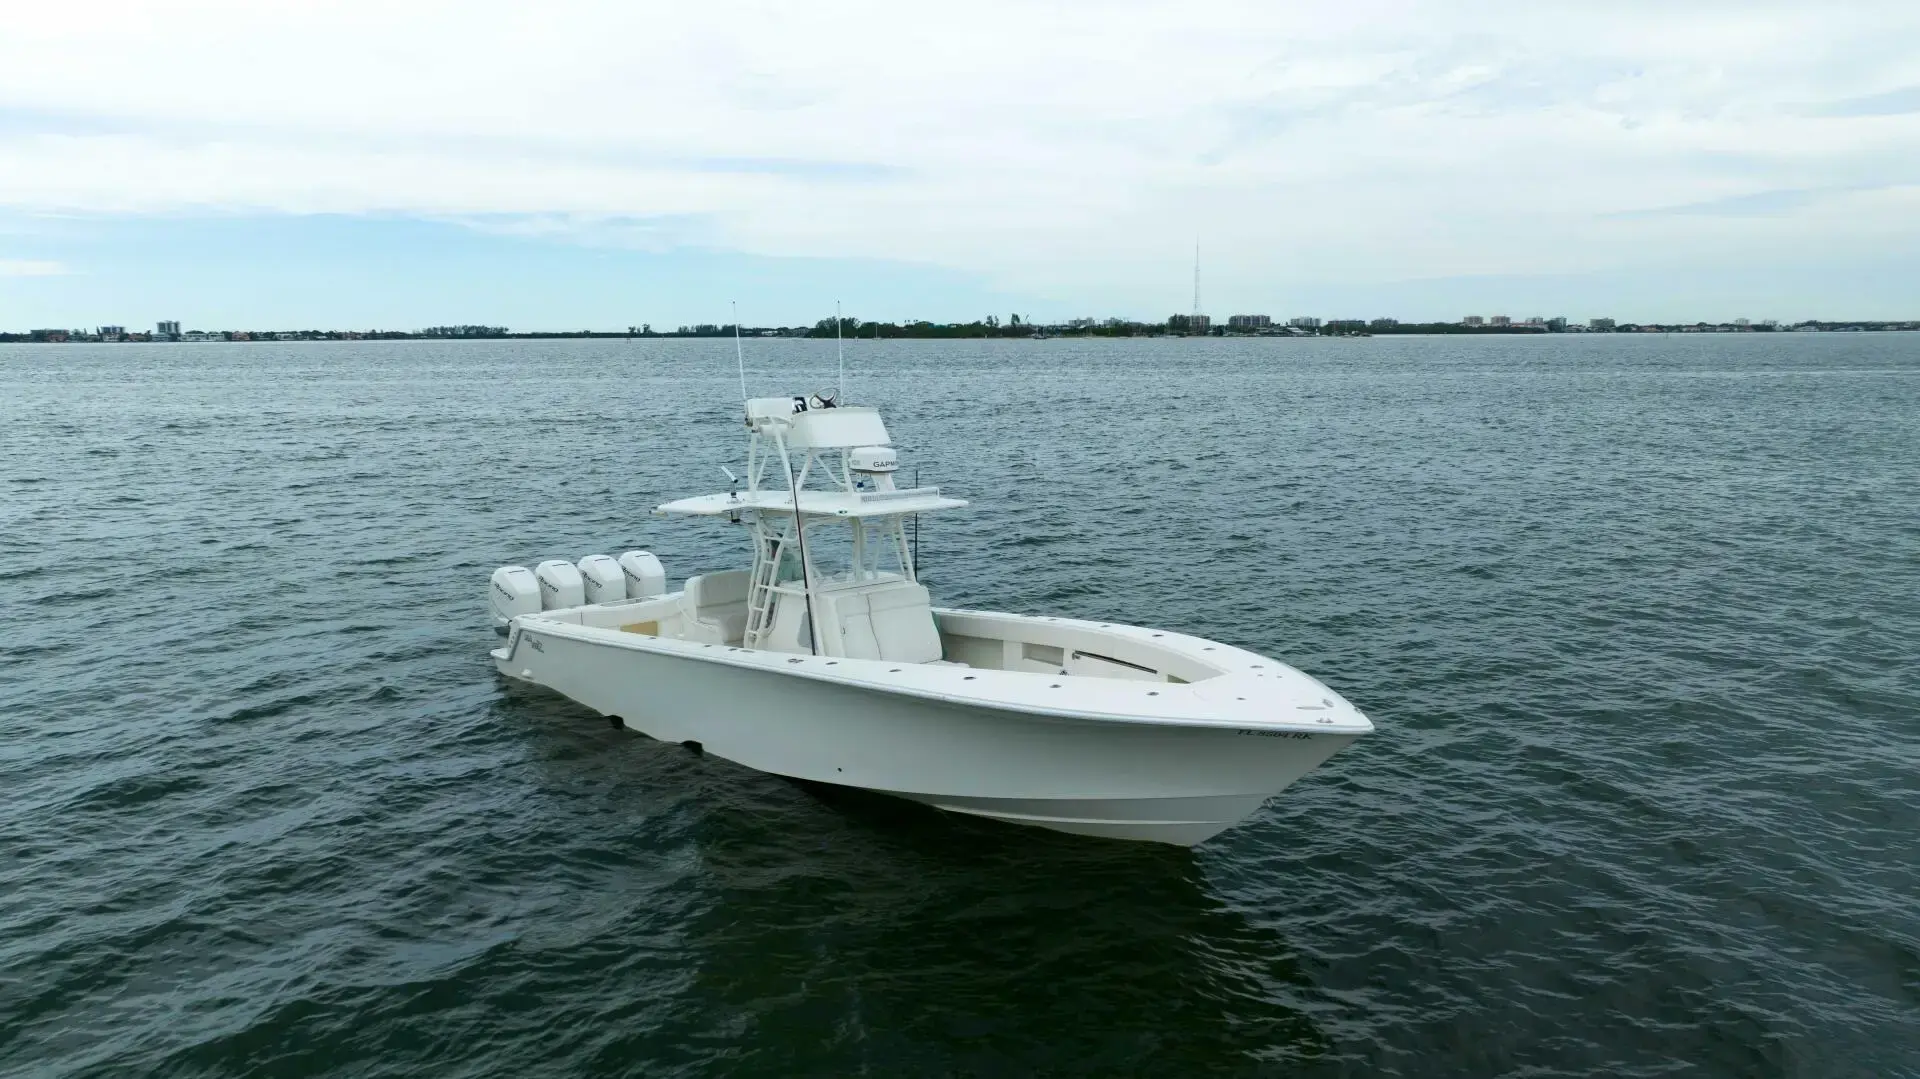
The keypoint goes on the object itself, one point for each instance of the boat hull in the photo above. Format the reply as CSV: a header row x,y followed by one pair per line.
x,y
1156,781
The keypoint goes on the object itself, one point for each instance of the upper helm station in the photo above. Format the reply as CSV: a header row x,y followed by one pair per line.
x,y
848,569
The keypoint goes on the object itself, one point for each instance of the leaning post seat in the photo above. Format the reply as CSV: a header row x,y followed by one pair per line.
x,y
901,616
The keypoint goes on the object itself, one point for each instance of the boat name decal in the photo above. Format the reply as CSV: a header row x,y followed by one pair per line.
x,y
1261,734
535,643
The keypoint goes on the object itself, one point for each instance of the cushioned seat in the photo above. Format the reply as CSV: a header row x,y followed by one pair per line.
x,y
719,601
902,619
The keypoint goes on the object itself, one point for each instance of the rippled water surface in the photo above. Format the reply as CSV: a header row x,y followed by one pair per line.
x,y
1638,619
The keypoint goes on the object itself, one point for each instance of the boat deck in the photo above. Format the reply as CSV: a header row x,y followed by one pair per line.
x,y
1106,671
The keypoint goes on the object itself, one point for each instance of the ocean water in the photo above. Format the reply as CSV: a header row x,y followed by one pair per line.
x,y
1637,618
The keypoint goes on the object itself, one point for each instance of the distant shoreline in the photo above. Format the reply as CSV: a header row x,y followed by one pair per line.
x,y
927,331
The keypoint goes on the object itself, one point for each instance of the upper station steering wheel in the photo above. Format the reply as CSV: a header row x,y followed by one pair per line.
x,y
823,399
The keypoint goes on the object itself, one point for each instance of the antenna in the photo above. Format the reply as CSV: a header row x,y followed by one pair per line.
x,y
841,347
739,356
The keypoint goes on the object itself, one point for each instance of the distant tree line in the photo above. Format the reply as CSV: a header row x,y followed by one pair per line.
x,y
464,331
990,326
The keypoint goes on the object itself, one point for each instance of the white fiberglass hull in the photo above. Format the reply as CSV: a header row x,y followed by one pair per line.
x,y
915,733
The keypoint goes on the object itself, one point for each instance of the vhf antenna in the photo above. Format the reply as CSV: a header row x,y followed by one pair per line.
x,y
739,356
841,347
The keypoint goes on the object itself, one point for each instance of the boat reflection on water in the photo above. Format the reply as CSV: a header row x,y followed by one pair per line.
x,y
779,927
916,941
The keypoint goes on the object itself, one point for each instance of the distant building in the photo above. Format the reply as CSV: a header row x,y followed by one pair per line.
x,y
1557,324
1384,324
1473,320
1189,324
1304,323
1501,320
166,331
1743,324
111,333
1600,325
48,335
1080,324
1249,322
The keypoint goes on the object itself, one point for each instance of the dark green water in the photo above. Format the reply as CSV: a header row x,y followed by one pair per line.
x,y
1638,619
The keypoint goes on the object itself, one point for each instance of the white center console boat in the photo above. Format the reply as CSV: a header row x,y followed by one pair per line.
x,y
825,660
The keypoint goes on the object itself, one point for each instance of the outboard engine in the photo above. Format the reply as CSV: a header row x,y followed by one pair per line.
x,y
604,581
560,585
646,577
873,467
512,591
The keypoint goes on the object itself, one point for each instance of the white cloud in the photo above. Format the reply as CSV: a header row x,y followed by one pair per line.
x,y
32,268
1066,149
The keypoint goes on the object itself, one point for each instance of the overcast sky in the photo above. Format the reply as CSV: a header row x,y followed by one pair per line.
x,y
600,163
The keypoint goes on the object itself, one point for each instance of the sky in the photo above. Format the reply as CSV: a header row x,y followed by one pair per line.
x,y
586,164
